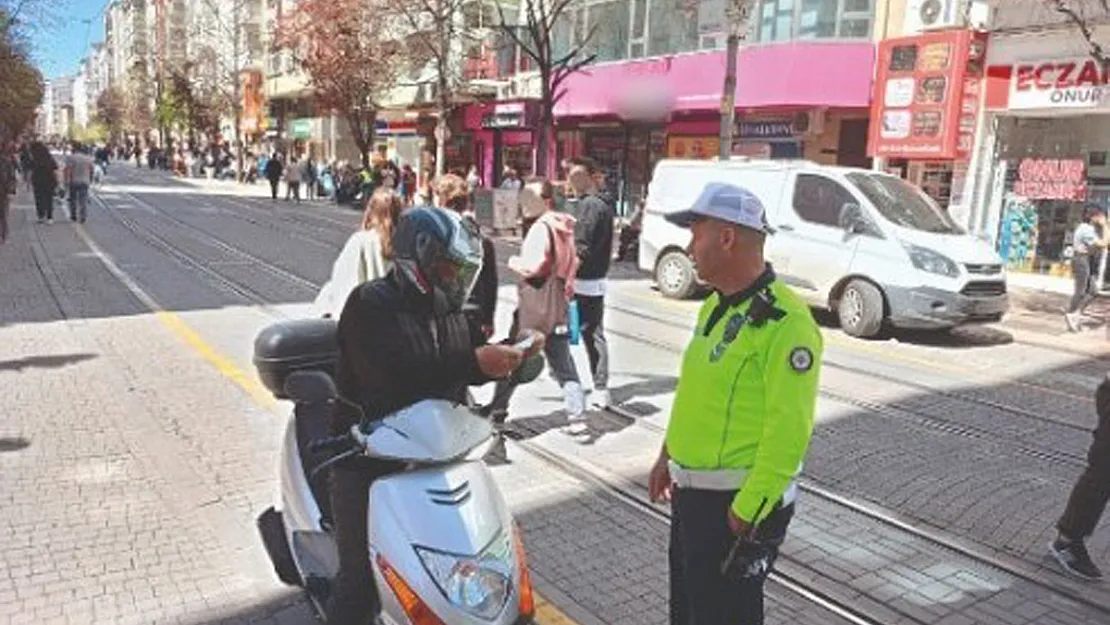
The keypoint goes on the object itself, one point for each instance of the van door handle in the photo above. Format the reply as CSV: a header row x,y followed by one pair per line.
x,y
786,228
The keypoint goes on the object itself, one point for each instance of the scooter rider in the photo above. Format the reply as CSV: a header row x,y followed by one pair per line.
x,y
404,338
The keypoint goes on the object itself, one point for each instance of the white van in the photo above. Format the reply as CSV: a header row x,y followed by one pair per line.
x,y
867,245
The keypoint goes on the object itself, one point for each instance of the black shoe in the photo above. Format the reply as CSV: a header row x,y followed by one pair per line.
x,y
1073,557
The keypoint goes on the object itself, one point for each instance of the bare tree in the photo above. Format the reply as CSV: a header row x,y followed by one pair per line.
x,y
436,32
350,66
1083,15
222,54
534,36
738,14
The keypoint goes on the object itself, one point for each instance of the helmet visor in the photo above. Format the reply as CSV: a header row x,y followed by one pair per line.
x,y
463,262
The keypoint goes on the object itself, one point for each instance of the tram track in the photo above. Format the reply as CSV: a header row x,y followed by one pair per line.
x,y
781,581
245,291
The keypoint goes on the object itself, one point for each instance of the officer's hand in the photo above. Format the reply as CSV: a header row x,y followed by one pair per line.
x,y
737,525
498,361
659,482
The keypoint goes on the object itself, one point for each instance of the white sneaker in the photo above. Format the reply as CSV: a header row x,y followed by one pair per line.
x,y
1072,319
600,398
49,221
576,426
574,399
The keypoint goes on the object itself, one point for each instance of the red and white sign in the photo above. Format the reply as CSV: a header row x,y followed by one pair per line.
x,y
1052,179
1079,83
926,95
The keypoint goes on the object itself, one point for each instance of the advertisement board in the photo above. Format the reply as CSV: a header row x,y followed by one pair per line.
x,y
926,95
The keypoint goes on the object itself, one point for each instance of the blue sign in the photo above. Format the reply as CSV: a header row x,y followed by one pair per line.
x,y
774,129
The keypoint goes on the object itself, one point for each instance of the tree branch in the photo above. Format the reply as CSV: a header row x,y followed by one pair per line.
x,y
1096,49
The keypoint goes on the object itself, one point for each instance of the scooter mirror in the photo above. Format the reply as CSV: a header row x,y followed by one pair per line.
x,y
529,370
310,387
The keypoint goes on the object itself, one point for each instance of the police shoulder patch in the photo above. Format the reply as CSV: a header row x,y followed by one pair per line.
x,y
801,359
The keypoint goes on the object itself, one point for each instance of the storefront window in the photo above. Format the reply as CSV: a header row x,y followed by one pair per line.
x,y
782,20
672,26
609,23
818,19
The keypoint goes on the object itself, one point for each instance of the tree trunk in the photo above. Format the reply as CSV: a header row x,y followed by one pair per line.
x,y
441,123
728,95
544,166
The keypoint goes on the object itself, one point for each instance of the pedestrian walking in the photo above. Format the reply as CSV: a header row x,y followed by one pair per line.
x,y
1089,242
546,265
367,255
293,180
44,181
273,174
8,185
26,165
1088,498
741,420
593,236
78,176
481,306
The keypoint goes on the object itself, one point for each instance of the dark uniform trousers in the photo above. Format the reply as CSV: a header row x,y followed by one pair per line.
x,y
1089,496
700,542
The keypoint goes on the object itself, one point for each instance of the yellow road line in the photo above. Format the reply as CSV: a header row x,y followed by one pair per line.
x,y
546,612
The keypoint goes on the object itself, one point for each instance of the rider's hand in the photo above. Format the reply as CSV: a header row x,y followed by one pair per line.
x,y
498,361
538,341
659,481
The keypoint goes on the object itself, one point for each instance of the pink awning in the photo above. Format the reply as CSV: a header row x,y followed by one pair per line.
x,y
795,74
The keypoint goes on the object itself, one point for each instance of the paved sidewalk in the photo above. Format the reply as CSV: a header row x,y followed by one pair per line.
x,y
107,517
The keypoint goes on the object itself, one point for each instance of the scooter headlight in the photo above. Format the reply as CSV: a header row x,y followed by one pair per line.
x,y
480,584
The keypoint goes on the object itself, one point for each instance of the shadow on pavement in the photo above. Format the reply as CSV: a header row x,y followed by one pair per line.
x,y
960,337
44,362
13,444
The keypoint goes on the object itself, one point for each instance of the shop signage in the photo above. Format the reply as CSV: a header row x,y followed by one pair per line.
x,y
1052,179
926,95
510,115
771,129
1062,83
300,128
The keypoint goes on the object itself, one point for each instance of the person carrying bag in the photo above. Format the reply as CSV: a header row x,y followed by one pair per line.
x,y
547,264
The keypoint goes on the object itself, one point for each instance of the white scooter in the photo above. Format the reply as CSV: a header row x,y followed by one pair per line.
x,y
443,546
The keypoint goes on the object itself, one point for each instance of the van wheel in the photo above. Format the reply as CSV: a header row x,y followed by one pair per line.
x,y
861,309
674,275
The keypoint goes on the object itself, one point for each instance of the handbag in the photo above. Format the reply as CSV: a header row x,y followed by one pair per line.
x,y
542,301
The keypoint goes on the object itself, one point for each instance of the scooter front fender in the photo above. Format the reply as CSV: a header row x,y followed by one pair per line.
x,y
455,509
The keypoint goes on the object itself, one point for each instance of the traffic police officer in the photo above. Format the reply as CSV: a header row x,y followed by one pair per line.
x,y
741,420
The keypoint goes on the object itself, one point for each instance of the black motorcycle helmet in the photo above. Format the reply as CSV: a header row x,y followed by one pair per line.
x,y
439,253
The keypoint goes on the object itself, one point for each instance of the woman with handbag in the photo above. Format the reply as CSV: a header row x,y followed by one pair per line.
x,y
366,256
546,264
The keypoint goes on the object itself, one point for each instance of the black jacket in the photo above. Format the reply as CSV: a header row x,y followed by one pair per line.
x,y
593,237
482,304
388,356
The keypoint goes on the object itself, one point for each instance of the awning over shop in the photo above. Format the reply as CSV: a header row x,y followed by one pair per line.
x,y
796,74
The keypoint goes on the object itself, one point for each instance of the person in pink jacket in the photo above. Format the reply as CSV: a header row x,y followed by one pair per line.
x,y
548,250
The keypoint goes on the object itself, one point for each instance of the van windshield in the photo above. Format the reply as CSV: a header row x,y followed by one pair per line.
x,y
904,204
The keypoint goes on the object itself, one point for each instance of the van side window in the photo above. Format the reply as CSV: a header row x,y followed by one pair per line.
x,y
818,199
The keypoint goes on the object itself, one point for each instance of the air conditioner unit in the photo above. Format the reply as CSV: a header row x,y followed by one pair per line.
x,y
926,15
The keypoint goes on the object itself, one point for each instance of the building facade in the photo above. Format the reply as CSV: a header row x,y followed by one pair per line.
x,y
1043,136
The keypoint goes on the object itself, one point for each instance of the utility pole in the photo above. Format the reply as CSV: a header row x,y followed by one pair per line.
x,y
737,14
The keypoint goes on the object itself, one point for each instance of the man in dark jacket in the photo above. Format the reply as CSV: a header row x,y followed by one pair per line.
x,y
273,173
402,339
593,240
